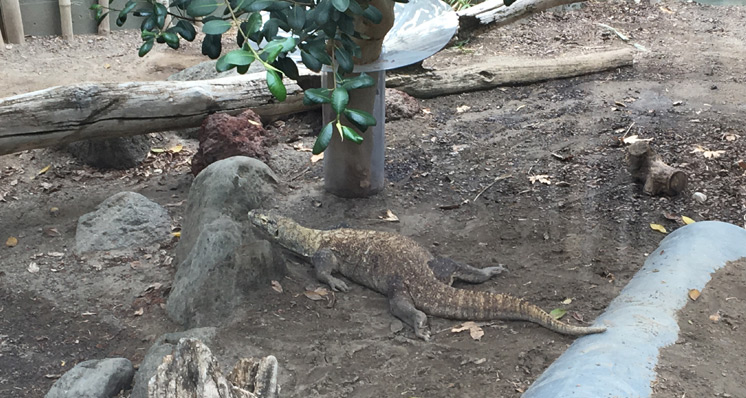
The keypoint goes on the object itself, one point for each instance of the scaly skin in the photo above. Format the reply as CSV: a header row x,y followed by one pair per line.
x,y
414,281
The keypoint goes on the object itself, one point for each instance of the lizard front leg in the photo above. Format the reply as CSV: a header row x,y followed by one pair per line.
x,y
325,262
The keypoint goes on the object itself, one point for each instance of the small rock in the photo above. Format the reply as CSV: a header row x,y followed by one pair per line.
x,y
400,105
396,326
699,197
99,378
126,219
223,136
112,153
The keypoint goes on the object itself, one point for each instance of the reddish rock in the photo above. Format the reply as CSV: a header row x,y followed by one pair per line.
x,y
400,105
223,136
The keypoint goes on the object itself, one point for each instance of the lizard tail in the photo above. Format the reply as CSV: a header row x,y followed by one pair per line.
x,y
463,304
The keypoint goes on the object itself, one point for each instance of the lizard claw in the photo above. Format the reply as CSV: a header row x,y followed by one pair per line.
x,y
338,285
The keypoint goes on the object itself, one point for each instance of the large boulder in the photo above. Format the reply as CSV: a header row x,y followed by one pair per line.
x,y
126,219
112,153
163,346
98,378
219,259
223,136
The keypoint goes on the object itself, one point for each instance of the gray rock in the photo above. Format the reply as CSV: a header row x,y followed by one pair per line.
x,y
219,259
112,153
163,346
126,219
99,378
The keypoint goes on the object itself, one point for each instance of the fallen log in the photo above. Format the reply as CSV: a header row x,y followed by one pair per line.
x,y
497,71
658,177
494,12
63,114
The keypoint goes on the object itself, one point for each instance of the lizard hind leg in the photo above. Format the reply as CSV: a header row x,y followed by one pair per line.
x,y
325,262
447,270
402,307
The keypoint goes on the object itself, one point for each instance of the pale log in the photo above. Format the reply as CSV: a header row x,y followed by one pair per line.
x,y
64,114
66,19
497,71
501,16
104,28
12,20
657,177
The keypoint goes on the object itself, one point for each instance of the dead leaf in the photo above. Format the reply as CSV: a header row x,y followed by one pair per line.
x,y
665,9
157,150
577,316
687,220
557,313
475,331
731,137
542,178
635,138
316,294
302,148
11,242
390,216
140,311
56,254
276,286
44,170
51,232
567,301
520,107
708,154
694,294
316,158
176,148
659,228
54,211
33,268
462,108
176,234
715,317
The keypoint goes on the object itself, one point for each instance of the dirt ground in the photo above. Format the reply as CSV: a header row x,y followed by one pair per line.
x,y
580,237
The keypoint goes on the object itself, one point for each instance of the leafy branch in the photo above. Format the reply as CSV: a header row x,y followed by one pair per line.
x,y
323,31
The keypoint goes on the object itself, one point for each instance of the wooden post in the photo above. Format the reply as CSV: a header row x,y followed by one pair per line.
x,y
12,20
104,28
66,19
2,43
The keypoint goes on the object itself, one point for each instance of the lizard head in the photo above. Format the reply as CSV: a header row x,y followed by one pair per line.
x,y
267,222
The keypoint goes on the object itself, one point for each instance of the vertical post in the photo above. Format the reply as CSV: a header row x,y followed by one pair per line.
x,y
357,170
2,43
12,20
66,19
104,28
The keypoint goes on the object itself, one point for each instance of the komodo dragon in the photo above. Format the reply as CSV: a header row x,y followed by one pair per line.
x,y
414,281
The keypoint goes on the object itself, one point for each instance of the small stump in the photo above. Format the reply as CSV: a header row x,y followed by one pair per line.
x,y
658,177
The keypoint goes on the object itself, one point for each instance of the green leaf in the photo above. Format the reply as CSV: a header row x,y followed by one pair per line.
x,y
172,39
201,8
341,5
352,135
288,67
94,7
316,96
265,5
129,6
344,60
373,14
145,48
234,58
186,30
322,11
558,313
212,46
275,85
297,17
355,8
322,141
147,35
361,81
310,61
101,17
149,23
340,98
160,15
508,3
216,27
254,24
362,119
143,12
